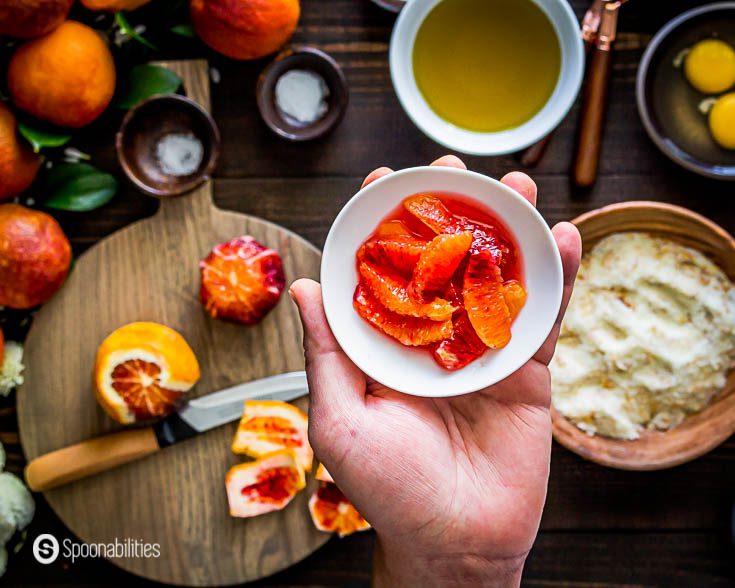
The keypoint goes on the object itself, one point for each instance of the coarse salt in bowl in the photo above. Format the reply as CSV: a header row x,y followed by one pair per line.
x,y
413,371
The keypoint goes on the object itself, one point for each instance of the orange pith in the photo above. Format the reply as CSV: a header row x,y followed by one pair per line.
x,y
273,486
332,512
392,293
138,383
408,330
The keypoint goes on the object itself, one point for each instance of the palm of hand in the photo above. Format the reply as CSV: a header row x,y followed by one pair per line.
x,y
471,469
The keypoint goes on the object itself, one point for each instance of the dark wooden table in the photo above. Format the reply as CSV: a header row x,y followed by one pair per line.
x,y
601,526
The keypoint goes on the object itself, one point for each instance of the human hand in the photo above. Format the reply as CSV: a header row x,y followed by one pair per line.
x,y
454,487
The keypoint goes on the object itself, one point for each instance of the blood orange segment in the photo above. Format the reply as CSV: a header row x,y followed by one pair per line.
x,y
264,485
333,513
393,229
242,281
484,302
432,212
515,297
270,425
139,385
406,329
437,264
322,474
392,292
462,348
402,254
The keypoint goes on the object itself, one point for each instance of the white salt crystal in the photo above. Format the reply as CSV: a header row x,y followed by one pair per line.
x,y
301,94
179,154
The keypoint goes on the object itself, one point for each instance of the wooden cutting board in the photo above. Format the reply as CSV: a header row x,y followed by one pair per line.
x,y
176,498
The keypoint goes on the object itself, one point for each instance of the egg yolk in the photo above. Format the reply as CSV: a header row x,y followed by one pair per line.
x,y
710,66
722,121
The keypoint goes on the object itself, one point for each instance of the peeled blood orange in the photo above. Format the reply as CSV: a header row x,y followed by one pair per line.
x,y
484,300
264,485
242,281
408,330
392,292
333,513
269,425
437,264
142,370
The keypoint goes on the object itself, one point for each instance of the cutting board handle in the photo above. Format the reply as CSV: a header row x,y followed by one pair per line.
x,y
88,458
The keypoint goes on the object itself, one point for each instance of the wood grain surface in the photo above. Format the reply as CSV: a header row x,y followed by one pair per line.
x,y
176,497
601,527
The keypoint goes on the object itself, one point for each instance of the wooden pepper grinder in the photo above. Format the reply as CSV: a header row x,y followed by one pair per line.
x,y
594,104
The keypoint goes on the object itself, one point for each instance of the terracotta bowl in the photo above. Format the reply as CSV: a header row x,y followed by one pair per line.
x,y
700,432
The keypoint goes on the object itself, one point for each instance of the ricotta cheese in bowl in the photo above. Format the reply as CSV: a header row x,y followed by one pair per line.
x,y
648,339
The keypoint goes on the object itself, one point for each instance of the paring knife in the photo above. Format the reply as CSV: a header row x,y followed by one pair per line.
x,y
196,416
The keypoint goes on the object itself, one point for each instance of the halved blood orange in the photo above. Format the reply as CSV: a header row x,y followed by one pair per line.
x,y
242,281
462,348
406,329
484,301
264,485
142,370
515,297
269,425
322,474
401,254
437,264
333,513
392,292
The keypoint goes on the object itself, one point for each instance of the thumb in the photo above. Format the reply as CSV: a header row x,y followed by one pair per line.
x,y
336,385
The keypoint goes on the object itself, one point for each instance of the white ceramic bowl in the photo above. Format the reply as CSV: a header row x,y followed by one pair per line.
x,y
546,120
414,371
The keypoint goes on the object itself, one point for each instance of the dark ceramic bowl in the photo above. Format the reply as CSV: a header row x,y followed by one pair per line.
x,y
305,58
668,104
146,124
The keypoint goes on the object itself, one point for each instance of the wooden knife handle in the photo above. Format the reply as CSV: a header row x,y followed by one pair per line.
x,y
532,155
88,458
592,120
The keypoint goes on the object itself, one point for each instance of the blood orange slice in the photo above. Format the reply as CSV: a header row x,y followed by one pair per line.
x,y
484,302
401,254
269,425
406,329
242,281
333,513
462,348
264,485
142,370
515,297
392,292
322,474
437,264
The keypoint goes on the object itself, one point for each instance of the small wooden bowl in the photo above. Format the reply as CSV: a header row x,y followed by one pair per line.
x,y
701,432
146,124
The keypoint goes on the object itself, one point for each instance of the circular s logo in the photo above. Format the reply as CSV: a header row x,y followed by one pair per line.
x,y
46,548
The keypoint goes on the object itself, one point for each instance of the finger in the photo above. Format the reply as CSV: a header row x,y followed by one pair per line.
x,y
336,385
450,161
376,175
522,184
570,248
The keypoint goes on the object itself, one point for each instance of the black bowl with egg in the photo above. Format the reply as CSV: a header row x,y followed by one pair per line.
x,y
310,101
668,104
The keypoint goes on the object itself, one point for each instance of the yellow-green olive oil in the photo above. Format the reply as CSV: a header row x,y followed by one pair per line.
x,y
486,65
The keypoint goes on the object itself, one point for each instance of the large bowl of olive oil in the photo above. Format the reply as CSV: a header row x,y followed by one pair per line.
x,y
487,77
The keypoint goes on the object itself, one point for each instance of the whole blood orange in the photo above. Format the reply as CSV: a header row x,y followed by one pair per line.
x,y
269,425
142,370
264,485
333,513
18,164
242,281
245,29
32,18
34,256
113,5
66,77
